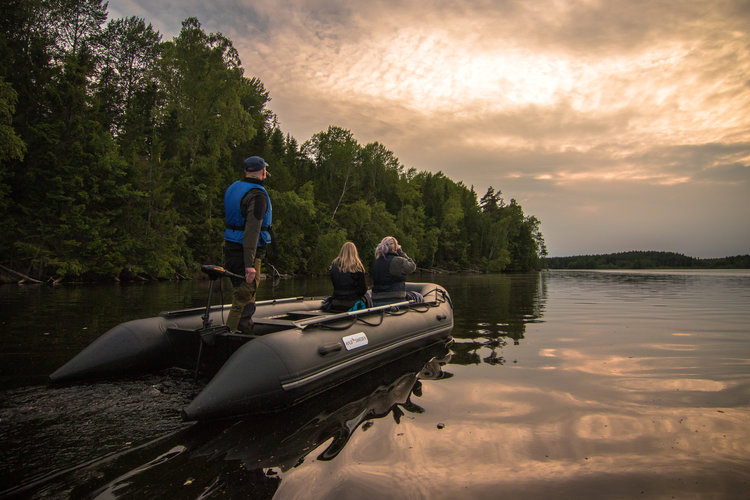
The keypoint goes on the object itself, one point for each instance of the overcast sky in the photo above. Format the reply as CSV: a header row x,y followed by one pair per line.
x,y
620,125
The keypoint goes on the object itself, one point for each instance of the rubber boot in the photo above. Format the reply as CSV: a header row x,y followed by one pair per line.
x,y
246,319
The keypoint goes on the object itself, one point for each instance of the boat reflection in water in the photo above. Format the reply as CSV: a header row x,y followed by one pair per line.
x,y
247,457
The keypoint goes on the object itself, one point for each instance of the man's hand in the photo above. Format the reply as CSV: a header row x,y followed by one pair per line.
x,y
249,274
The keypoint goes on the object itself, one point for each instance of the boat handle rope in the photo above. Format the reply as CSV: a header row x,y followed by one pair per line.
x,y
440,297
352,322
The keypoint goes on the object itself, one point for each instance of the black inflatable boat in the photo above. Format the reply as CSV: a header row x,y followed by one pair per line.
x,y
296,350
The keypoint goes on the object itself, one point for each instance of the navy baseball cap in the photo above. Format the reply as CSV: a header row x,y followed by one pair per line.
x,y
254,164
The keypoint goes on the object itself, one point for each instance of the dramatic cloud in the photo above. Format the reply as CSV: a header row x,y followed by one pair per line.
x,y
620,125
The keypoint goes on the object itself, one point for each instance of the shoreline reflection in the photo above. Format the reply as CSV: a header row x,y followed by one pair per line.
x,y
507,304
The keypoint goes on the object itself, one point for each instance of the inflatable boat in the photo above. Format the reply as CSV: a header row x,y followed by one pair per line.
x,y
296,350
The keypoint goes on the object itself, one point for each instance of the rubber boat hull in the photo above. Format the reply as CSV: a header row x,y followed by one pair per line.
x,y
296,351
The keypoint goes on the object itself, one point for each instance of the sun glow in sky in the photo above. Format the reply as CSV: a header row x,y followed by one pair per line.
x,y
620,125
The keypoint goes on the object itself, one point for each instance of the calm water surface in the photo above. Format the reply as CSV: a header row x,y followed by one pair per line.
x,y
563,384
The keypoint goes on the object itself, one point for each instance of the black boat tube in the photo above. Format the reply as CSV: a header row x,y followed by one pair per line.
x,y
281,369
144,344
300,358
135,345
242,385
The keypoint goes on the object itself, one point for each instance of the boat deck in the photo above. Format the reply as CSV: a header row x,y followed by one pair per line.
x,y
303,319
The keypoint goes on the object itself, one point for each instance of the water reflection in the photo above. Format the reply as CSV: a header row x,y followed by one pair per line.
x,y
250,456
634,385
43,327
495,310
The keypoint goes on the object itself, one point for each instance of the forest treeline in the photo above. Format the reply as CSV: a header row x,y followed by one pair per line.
x,y
116,148
645,260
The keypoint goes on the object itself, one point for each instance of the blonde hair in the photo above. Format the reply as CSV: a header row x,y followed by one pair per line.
x,y
348,259
386,245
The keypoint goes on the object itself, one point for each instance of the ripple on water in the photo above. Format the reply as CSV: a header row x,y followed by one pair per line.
x,y
76,424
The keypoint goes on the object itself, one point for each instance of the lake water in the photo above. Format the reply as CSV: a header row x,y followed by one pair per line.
x,y
561,384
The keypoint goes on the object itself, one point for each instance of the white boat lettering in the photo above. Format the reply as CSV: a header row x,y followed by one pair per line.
x,y
355,340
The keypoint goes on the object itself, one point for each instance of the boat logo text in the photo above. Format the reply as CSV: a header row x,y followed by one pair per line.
x,y
355,340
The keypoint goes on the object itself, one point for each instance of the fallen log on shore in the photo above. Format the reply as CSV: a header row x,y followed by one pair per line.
x,y
23,277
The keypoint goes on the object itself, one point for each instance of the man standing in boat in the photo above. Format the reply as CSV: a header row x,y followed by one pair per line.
x,y
247,210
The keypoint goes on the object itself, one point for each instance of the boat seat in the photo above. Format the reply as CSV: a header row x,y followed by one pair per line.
x,y
291,318
309,313
274,322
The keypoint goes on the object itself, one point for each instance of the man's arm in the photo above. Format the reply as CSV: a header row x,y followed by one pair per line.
x,y
254,207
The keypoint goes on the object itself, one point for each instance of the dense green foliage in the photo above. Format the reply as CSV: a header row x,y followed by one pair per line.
x,y
645,260
116,148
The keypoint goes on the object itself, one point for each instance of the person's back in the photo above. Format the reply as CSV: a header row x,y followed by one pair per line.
x,y
348,278
390,269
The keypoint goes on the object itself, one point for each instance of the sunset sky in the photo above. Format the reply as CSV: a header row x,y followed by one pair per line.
x,y
620,125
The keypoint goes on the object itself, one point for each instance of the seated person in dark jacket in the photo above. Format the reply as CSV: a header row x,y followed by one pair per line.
x,y
348,278
389,272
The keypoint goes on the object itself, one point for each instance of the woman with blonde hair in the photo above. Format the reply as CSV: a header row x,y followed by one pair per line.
x,y
348,278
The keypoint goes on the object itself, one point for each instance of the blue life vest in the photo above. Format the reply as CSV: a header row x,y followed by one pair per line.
x,y
235,219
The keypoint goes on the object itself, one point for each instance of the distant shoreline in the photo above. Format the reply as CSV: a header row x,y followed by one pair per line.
x,y
645,260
